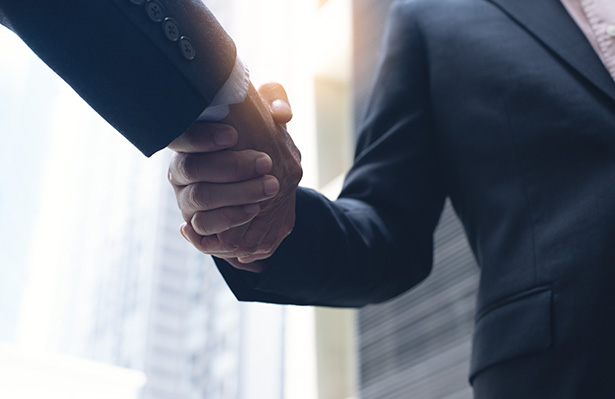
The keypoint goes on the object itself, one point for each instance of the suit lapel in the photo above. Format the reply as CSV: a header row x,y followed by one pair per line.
x,y
550,23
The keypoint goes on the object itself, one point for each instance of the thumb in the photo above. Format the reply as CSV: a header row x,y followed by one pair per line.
x,y
274,95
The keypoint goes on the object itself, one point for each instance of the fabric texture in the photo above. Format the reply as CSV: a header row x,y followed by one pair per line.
x,y
149,83
504,107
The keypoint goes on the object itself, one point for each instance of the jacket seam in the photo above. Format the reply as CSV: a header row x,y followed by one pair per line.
x,y
524,184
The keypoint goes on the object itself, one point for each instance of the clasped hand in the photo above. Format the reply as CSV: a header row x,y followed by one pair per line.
x,y
235,181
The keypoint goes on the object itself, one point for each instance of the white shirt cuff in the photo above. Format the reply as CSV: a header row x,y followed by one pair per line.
x,y
233,91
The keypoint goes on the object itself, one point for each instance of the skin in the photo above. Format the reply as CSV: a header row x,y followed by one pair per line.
x,y
236,191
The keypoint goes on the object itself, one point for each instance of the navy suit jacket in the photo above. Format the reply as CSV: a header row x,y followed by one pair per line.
x,y
149,67
503,106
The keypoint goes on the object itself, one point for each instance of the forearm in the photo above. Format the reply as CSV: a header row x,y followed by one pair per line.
x,y
121,61
341,253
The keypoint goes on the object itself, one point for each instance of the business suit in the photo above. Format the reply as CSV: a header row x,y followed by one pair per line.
x,y
503,106
149,67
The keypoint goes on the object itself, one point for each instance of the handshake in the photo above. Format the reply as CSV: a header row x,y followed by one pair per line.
x,y
236,180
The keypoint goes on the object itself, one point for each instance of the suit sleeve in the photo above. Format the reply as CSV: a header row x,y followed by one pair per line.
x,y
376,240
149,67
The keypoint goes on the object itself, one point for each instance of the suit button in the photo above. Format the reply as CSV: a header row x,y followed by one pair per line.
x,y
171,30
155,11
610,30
186,48
138,2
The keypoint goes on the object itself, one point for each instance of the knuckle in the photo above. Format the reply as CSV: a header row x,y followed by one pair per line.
x,y
267,247
200,224
243,163
229,217
296,174
251,154
249,248
181,169
208,245
294,171
190,197
298,155
173,168
198,197
229,242
170,176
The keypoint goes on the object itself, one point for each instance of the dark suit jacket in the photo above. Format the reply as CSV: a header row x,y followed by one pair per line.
x,y
504,107
149,67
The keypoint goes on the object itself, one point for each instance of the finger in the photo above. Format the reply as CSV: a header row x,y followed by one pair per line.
x,y
236,242
254,236
217,167
253,258
223,219
206,244
256,267
268,246
208,196
269,242
201,243
225,244
205,137
220,246
275,96
195,239
239,243
280,111
256,256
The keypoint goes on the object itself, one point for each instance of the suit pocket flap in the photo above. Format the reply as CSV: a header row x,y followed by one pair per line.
x,y
519,326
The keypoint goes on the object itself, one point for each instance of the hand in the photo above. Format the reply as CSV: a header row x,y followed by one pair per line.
x,y
239,204
216,189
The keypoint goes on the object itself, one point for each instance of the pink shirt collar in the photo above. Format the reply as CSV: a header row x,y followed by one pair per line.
x,y
596,18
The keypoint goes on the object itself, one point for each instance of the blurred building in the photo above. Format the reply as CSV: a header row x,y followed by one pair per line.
x,y
116,283
418,345
109,278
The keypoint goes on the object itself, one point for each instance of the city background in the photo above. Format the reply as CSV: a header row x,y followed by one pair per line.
x,y
100,297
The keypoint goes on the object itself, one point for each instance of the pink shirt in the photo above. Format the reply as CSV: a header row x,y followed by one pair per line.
x,y
596,18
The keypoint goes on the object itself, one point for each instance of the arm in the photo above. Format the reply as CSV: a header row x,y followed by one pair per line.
x,y
375,241
116,54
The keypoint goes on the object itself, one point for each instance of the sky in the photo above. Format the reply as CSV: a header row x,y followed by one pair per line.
x,y
26,85
47,134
